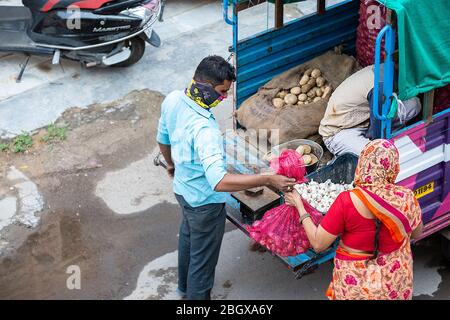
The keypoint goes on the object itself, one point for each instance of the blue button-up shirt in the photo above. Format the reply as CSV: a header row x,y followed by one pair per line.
x,y
197,149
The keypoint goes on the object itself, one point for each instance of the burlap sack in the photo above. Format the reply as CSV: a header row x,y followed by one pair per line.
x,y
294,122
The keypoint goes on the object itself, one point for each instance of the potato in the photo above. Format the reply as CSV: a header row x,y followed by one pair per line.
x,y
314,159
296,90
320,81
281,94
300,150
326,92
311,93
291,98
317,99
299,103
307,159
307,148
278,103
312,81
302,97
308,72
307,87
316,73
304,80
318,92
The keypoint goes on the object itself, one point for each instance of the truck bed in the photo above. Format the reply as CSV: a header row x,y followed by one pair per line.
x,y
250,159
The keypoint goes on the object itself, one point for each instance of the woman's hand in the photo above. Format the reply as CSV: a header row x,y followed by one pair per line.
x,y
294,199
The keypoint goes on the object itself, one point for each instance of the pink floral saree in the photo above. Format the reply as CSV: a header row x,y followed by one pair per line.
x,y
390,275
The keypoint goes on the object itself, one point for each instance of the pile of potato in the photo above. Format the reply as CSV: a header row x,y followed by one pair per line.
x,y
308,157
312,88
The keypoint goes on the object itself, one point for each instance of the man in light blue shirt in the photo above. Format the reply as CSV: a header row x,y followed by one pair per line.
x,y
191,143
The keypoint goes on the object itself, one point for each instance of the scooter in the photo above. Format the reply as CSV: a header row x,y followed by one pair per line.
x,y
95,32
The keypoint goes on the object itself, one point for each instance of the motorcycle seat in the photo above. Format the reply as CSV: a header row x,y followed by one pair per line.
x,y
48,5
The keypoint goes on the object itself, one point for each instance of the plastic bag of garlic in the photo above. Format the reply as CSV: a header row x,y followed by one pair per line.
x,y
280,230
321,195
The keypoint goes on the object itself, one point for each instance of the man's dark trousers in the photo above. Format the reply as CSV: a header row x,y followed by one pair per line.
x,y
201,234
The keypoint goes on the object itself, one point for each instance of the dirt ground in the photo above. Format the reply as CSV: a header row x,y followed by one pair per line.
x,y
76,227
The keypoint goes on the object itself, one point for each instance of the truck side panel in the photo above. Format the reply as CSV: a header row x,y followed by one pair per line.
x,y
425,168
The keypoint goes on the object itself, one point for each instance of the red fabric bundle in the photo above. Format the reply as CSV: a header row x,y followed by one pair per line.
x,y
442,99
280,230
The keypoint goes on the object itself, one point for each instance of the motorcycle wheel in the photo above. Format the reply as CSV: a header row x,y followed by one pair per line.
x,y
137,47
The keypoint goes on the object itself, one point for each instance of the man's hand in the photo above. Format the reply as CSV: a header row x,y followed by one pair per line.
x,y
281,183
166,151
170,170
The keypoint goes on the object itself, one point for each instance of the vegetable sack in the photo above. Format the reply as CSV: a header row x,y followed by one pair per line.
x,y
295,117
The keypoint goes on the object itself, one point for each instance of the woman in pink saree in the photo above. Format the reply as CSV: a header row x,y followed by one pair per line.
x,y
376,222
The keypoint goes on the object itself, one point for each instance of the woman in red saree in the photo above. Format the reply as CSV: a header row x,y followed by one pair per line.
x,y
376,222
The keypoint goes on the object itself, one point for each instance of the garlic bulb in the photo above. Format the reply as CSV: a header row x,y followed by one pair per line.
x,y
321,195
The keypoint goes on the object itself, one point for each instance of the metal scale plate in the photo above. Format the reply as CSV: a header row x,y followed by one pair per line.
x,y
254,207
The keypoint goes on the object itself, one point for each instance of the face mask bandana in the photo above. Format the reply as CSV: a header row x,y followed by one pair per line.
x,y
203,94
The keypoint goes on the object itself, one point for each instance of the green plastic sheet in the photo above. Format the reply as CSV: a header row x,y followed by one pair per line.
x,y
424,44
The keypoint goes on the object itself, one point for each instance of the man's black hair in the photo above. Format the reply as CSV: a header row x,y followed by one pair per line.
x,y
215,70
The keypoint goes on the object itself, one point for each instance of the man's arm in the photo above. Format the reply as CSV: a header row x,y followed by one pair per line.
x,y
167,154
239,182
208,145
164,143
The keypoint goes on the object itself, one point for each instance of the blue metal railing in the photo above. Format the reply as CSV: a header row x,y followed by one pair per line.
x,y
388,33
225,13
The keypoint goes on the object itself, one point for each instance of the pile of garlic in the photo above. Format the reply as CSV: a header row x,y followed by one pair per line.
x,y
312,87
321,195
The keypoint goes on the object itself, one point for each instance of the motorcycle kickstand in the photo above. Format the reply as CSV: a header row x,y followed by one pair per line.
x,y
163,5
22,69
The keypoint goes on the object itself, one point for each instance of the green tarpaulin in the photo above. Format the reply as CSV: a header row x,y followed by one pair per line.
x,y
424,44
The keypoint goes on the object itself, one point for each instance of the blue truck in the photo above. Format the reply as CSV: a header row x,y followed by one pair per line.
x,y
424,145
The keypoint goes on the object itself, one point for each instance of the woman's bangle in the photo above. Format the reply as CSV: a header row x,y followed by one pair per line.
x,y
303,217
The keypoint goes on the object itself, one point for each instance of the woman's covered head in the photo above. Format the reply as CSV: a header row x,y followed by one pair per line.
x,y
378,164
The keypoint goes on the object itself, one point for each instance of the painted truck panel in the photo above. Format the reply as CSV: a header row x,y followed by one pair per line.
x,y
425,168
